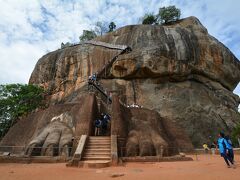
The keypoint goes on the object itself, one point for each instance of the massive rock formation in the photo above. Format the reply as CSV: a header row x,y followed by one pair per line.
x,y
182,76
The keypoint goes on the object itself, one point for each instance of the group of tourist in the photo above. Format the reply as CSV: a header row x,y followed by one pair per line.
x,y
226,149
92,78
102,124
213,147
135,106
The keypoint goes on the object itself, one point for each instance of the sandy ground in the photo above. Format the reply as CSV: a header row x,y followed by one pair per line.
x,y
204,167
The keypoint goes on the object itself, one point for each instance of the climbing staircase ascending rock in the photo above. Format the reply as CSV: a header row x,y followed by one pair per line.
x,y
122,48
100,89
97,152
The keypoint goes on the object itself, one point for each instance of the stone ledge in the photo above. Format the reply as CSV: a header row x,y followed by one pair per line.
x,y
37,159
155,159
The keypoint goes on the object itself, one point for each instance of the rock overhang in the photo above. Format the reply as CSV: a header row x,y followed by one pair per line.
x,y
179,49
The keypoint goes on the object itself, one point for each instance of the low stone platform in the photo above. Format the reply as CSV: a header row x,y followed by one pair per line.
x,y
202,151
155,159
94,164
36,159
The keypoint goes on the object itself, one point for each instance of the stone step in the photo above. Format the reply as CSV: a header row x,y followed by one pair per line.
x,y
97,145
97,153
94,144
94,163
99,142
98,138
96,158
98,149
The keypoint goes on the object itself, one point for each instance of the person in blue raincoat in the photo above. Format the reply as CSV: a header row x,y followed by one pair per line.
x,y
222,146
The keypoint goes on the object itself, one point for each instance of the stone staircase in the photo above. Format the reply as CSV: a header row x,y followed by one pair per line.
x,y
97,152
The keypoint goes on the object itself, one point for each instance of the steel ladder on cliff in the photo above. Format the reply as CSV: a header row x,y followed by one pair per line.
x,y
101,90
123,48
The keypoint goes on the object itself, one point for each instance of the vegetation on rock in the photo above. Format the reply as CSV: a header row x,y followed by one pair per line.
x,y
100,29
111,26
67,44
168,14
149,18
236,135
17,100
87,35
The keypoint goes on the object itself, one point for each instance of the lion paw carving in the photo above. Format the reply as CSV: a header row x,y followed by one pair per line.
x,y
54,139
146,134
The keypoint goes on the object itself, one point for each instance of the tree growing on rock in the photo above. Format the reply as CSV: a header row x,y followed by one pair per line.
x,y
111,26
17,100
168,14
236,135
149,18
87,35
67,44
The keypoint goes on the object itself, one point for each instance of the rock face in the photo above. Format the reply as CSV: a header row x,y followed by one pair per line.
x,y
182,76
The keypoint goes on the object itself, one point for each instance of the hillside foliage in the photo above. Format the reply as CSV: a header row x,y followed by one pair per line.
x,y
17,100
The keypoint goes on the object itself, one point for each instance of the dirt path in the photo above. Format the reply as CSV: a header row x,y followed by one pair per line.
x,y
206,167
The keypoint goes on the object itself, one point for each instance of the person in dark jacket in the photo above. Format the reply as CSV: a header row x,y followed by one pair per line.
x,y
229,148
105,123
98,125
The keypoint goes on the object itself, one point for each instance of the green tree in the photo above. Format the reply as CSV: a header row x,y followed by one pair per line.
x,y
149,18
111,26
67,44
17,100
236,135
87,35
168,14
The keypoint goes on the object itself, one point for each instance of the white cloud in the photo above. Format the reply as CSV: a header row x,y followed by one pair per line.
x,y
16,63
29,28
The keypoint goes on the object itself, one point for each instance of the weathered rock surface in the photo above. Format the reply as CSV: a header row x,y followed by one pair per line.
x,y
182,76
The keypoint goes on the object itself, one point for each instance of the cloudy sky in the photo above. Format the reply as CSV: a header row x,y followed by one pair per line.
x,y
31,28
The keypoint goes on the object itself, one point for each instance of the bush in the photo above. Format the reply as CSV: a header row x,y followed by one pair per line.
x,y
149,19
87,35
168,14
17,100
236,135
65,45
111,26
